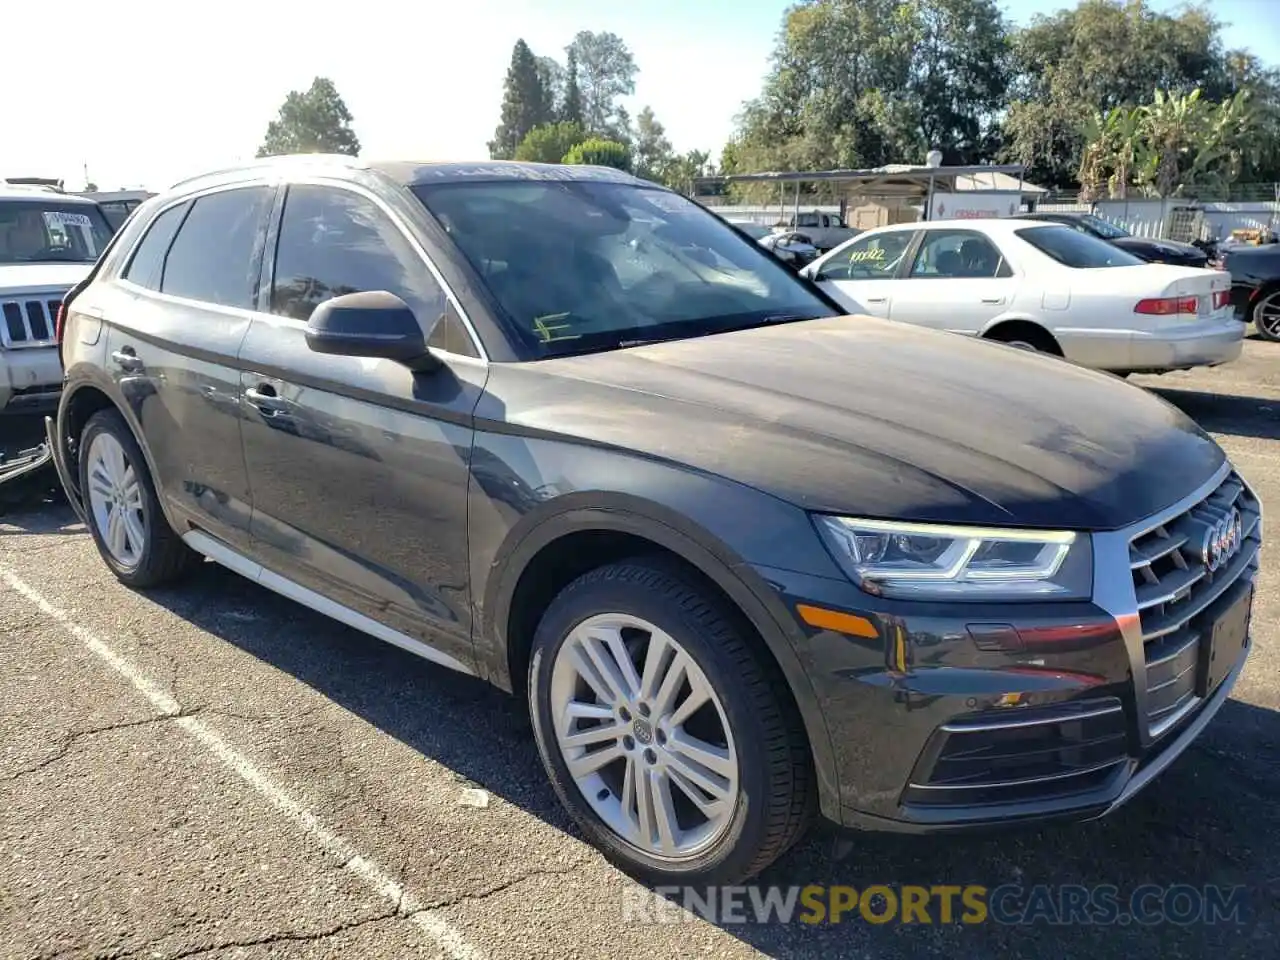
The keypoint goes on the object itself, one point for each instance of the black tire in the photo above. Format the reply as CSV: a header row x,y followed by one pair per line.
x,y
1270,329
776,796
1027,336
164,557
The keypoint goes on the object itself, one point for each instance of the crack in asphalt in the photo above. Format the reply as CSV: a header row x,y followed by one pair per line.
x,y
69,740
502,887
267,940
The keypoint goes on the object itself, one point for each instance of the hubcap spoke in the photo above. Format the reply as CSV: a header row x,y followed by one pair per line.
x,y
133,527
591,762
707,766
664,811
644,736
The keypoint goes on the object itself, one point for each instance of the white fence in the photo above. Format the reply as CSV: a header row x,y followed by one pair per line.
x,y
1157,219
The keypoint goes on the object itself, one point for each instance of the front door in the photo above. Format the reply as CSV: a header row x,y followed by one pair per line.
x,y
172,346
359,467
859,275
959,281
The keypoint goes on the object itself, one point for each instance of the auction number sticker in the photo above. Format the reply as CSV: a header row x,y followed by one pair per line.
x,y
67,219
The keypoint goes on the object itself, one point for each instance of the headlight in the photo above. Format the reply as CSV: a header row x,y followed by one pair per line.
x,y
928,561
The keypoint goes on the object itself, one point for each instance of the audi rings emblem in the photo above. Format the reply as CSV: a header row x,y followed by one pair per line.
x,y
1222,540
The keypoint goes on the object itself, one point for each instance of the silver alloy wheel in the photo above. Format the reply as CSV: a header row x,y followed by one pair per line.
x,y
644,736
115,499
1266,316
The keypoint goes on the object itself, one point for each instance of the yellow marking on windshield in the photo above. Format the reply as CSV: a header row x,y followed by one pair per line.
x,y
551,331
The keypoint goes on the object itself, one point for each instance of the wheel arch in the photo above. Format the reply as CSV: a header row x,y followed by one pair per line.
x,y
81,399
1011,324
588,531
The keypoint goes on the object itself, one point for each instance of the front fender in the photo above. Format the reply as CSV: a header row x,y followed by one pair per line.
x,y
605,490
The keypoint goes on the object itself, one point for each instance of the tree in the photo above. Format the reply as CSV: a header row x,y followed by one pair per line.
x,y
606,70
553,80
1175,145
867,82
550,142
314,121
571,103
681,171
652,149
524,103
1100,55
600,153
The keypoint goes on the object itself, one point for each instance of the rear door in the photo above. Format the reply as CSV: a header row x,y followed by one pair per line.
x,y
359,467
958,281
172,349
860,275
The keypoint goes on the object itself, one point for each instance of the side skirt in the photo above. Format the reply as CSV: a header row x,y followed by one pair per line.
x,y
219,552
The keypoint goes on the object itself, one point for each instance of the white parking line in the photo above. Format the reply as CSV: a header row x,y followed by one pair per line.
x,y
440,931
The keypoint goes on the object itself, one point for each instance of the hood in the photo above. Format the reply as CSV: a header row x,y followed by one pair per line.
x,y
41,277
865,417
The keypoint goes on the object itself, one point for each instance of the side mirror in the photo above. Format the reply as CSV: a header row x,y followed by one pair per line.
x,y
370,324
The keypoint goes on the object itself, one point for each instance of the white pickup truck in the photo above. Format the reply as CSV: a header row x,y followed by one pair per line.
x,y
826,230
49,241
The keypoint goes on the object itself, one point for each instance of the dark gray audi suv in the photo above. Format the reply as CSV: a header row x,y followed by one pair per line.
x,y
749,561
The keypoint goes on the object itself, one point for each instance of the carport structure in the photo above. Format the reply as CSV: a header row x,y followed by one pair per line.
x,y
902,184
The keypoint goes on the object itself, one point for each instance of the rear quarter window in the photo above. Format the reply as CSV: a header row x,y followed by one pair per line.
x,y
1071,248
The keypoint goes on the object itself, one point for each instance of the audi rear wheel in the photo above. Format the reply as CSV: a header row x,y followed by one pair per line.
x,y
123,512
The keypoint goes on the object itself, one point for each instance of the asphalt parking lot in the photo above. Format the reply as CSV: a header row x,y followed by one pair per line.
x,y
211,771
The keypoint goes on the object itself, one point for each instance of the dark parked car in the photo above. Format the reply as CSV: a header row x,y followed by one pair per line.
x,y
1145,248
748,560
1255,284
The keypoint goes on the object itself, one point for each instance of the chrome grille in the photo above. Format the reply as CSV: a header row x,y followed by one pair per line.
x,y
1174,586
29,320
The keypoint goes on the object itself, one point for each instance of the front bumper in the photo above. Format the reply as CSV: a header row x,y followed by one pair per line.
x,y
962,716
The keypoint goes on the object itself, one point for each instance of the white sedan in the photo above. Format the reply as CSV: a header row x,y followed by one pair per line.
x,y
1038,285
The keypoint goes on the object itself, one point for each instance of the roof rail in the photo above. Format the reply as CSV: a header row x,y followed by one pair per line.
x,y
284,160
47,183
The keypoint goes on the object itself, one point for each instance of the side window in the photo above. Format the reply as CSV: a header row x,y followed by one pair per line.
x,y
213,256
148,259
868,258
953,254
334,242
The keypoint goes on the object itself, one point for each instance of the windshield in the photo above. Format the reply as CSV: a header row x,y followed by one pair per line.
x,y
49,231
586,266
1077,250
1108,231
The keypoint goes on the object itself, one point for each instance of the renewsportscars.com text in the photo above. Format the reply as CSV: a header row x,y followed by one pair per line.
x,y
1010,904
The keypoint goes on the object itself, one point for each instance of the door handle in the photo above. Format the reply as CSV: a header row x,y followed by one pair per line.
x,y
877,299
265,399
126,359
993,299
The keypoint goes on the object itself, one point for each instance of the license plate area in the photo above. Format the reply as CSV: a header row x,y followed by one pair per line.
x,y
1228,634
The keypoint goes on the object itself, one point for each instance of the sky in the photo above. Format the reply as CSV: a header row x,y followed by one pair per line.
x,y
146,92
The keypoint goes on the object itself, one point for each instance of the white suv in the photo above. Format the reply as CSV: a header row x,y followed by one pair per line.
x,y
49,241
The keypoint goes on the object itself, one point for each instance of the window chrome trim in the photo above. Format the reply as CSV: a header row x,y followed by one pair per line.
x,y
363,191
319,181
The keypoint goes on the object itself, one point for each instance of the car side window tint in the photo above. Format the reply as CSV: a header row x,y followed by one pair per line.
x,y
333,242
868,258
148,259
955,254
214,256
